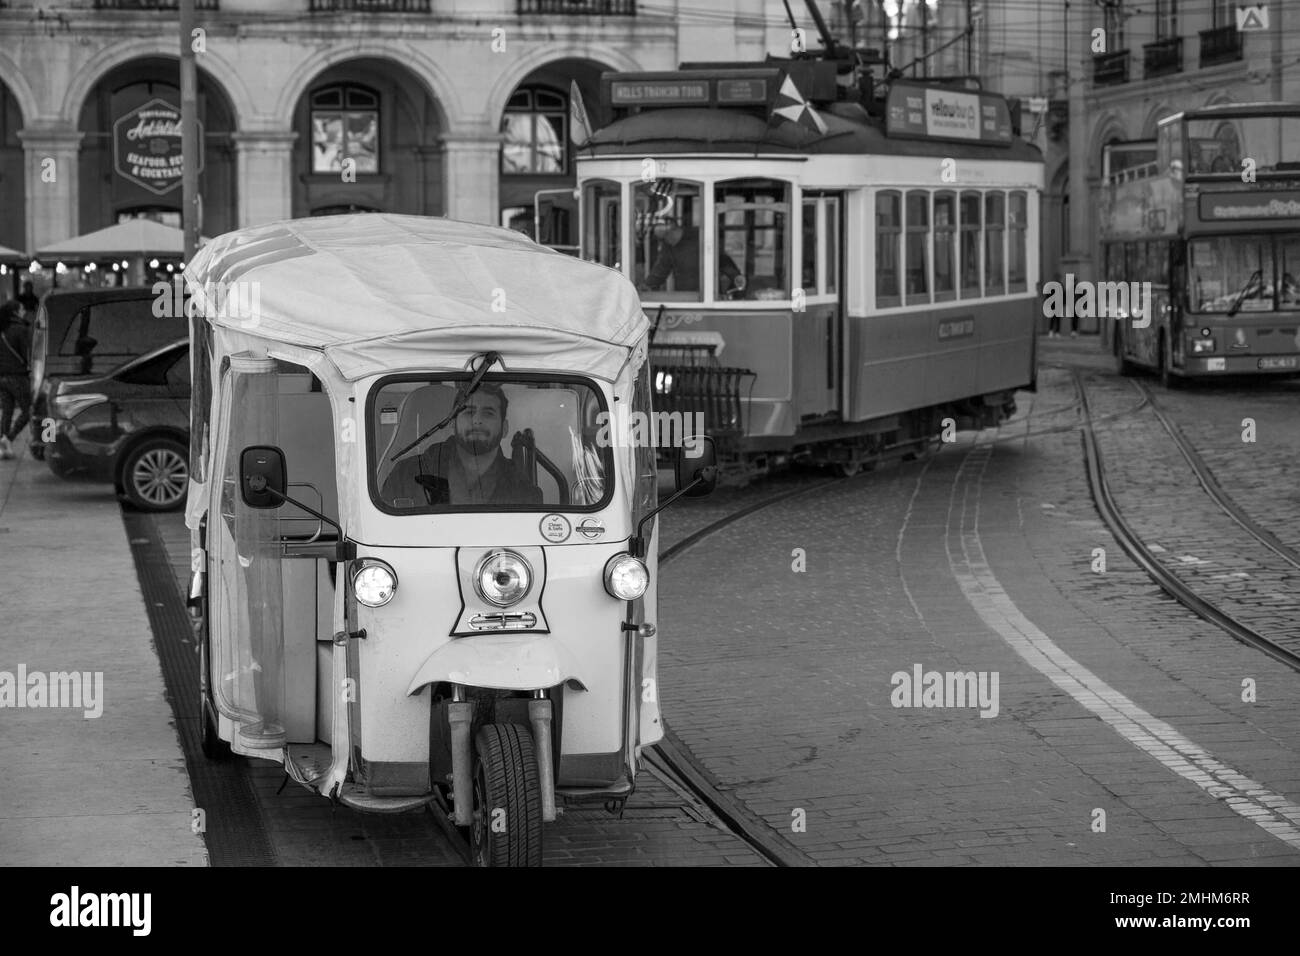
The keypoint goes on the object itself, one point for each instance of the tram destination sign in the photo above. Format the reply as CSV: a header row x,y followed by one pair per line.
x,y
930,112
147,146
1273,204
690,88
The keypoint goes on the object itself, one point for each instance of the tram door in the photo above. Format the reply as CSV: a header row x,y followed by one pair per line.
x,y
819,307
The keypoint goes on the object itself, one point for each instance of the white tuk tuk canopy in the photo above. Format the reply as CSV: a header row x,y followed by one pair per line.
x,y
379,292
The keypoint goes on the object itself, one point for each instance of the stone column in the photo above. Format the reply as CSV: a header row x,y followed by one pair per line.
x,y
52,173
1078,258
471,167
264,175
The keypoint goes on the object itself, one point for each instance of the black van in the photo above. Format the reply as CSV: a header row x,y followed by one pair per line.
x,y
90,332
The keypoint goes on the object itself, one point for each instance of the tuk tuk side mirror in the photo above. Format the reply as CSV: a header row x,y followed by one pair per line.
x,y
696,461
262,476
695,474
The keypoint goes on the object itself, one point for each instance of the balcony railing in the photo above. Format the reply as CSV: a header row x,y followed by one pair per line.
x,y
154,4
1110,68
578,8
1162,57
1220,45
371,6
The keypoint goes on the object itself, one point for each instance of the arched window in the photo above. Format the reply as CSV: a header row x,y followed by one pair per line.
x,y
344,126
535,133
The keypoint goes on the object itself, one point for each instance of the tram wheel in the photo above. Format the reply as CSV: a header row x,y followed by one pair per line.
x,y
507,827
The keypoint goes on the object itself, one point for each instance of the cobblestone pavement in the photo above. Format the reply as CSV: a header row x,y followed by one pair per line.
x,y
780,681
660,825
1156,490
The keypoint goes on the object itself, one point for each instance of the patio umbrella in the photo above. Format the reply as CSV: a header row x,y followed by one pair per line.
x,y
135,237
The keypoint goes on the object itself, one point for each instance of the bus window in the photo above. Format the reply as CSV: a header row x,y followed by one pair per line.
x,y
667,222
1231,274
888,231
602,226
970,245
1017,223
1288,270
753,238
994,229
945,246
917,251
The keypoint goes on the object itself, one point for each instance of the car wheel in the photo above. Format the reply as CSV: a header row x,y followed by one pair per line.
x,y
156,474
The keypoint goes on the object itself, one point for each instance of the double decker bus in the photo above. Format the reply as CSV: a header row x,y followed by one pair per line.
x,y
1213,224
827,294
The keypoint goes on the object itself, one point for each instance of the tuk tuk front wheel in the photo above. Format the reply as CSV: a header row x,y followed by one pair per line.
x,y
507,828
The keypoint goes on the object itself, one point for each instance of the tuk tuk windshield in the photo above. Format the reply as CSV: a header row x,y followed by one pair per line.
x,y
517,444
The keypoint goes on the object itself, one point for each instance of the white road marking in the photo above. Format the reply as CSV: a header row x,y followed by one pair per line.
x,y
1271,812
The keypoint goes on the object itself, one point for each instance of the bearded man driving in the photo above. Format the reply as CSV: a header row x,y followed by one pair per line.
x,y
468,468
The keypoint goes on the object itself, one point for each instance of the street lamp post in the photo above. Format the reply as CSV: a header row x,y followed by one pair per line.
x,y
189,134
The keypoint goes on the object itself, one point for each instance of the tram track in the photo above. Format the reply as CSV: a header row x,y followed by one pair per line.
x,y
1142,554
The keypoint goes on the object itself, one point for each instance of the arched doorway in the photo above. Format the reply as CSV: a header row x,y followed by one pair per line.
x,y
537,151
13,220
367,141
129,163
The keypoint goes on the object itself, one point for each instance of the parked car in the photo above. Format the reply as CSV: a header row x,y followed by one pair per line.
x,y
91,332
130,427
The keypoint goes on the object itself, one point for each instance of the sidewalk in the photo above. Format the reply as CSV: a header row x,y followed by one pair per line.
x,y
110,790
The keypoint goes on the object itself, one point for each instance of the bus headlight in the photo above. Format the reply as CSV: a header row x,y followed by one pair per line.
x,y
1200,346
503,578
373,582
626,578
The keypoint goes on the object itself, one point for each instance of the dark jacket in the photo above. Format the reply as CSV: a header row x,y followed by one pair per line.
x,y
504,484
15,348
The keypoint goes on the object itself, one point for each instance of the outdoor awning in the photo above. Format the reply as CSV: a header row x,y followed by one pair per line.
x,y
11,255
135,237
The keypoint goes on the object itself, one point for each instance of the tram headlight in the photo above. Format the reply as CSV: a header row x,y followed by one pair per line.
x,y
503,578
1200,346
626,578
373,582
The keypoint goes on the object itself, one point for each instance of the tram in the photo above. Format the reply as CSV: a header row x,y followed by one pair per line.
x,y
1211,229
830,291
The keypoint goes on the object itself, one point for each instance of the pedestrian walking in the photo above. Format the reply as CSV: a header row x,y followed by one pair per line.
x,y
1054,320
15,388
29,300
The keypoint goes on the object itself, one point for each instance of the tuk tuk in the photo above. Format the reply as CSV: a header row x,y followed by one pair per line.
x,y
422,502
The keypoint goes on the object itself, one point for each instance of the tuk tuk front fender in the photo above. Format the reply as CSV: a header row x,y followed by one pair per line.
x,y
499,662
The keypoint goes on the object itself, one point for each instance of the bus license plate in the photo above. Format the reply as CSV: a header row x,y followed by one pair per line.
x,y
1282,361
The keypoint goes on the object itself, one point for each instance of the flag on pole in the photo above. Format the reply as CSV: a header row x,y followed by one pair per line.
x,y
579,124
790,104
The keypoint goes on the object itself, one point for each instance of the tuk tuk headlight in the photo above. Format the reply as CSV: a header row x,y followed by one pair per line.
x,y
503,578
626,578
373,582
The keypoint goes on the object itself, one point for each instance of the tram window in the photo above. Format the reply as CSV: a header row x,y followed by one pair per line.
x,y
970,245
831,245
888,232
917,255
945,247
994,236
1017,224
602,223
753,238
667,222
808,272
